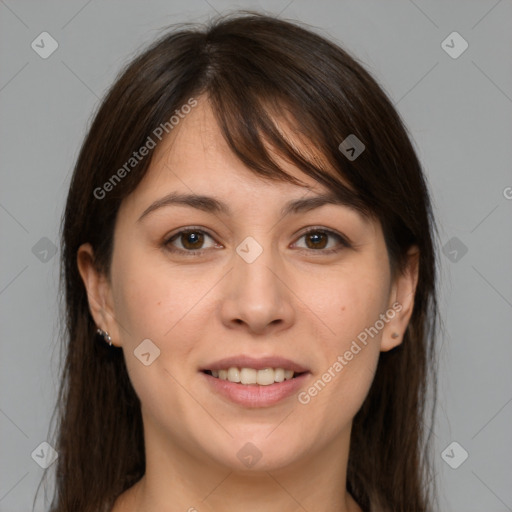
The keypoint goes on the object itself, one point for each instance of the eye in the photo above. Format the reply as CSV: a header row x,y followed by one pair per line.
x,y
190,239
317,240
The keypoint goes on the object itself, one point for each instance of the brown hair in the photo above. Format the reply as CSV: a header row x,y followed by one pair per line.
x,y
250,66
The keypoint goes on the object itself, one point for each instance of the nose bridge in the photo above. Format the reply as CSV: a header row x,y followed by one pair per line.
x,y
253,263
257,295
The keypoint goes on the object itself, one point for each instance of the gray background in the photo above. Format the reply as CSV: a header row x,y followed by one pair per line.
x,y
459,112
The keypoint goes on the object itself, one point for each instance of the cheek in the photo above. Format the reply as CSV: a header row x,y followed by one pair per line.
x,y
353,304
168,305
153,303
153,299
351,348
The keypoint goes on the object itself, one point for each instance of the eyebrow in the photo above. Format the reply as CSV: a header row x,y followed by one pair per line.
x,y
212,205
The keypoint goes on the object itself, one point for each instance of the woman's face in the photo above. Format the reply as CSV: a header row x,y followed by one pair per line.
x,y
258,292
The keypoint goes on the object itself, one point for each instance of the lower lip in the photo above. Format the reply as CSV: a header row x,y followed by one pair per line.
x,y
254,395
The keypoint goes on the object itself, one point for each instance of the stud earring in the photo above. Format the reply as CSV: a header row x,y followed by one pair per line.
x,y
395,335
106,336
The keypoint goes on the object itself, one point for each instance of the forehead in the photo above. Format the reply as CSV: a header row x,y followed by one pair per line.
x,y
195,156
194,160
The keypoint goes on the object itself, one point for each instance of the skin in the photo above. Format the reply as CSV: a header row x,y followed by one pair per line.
x,y
294,301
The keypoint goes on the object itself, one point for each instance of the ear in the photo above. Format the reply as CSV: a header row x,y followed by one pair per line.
x,y
401,301
99,292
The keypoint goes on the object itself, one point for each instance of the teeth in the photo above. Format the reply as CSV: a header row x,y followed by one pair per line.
x,y
279,375
234,375
248,376
263,377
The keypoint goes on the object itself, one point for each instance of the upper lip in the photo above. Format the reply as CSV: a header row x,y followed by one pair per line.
x,y
243,361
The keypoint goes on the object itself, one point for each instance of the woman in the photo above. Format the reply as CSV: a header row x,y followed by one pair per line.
x,y
249,284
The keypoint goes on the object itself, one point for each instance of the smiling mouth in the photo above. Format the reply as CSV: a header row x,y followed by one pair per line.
x,y
251,376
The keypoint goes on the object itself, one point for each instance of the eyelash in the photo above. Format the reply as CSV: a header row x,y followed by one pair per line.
x,y
343,241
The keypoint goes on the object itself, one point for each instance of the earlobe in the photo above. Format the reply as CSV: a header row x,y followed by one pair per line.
x,y
401,301
98,291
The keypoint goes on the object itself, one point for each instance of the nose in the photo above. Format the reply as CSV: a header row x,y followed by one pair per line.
x,y
256,295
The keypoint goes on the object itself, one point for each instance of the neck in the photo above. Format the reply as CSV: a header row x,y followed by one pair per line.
x,y
176,479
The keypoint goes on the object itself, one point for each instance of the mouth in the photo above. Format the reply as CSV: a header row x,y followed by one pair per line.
x,y
257,388
254,382
252,376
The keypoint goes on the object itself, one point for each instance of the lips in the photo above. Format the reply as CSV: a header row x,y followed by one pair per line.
x,y
255,382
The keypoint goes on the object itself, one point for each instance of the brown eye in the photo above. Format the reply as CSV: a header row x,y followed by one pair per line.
x,y
192,239
317,240
189,241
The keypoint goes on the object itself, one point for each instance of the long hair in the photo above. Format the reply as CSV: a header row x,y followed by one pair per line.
x,y
253,69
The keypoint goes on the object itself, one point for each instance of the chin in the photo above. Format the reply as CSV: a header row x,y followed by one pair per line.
x,y
259,451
